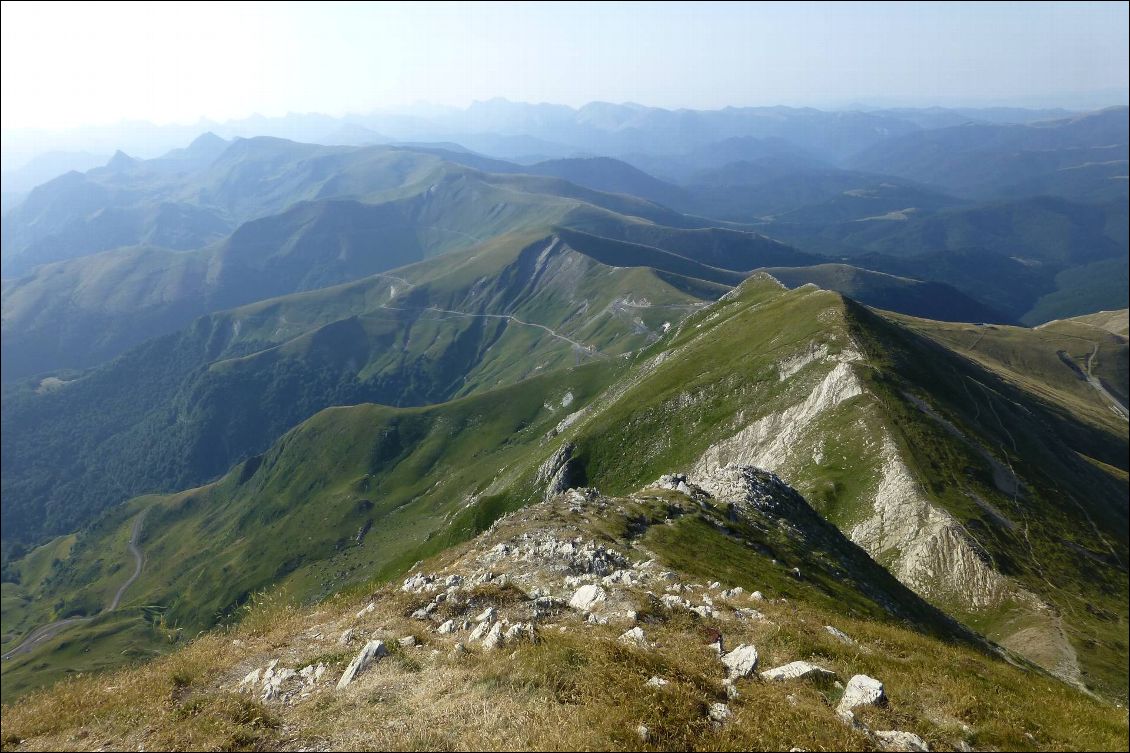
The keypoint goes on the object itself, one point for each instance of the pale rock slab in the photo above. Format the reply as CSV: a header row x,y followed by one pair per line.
x,y
741,662
635,635
587,597
494,638
861,690
797,670
894,740
372,650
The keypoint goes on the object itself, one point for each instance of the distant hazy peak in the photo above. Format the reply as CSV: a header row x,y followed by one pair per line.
x,y
121,161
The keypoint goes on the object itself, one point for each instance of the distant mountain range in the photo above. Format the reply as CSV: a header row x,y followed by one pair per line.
x,y
255,363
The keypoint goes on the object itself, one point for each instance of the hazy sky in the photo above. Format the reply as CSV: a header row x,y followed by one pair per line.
x,y
65,65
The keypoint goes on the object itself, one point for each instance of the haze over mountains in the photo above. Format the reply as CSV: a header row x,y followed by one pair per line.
x,y
303,354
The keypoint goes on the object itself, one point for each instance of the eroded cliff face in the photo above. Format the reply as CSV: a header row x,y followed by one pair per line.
x,y
890,516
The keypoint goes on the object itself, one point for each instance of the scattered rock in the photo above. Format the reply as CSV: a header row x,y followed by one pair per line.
x,y
417,583
367,610
486,616
346,637
587,597
720,712
741,662
656,682
494,638
840,635
424,613
894,740
272,687
643,733
480,631
635,635
861,690
797,670
372,650
250,680
746,613
407,641
446,628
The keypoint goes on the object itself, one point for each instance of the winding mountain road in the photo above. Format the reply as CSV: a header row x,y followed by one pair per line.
x,y
588,350
1115,404
50,630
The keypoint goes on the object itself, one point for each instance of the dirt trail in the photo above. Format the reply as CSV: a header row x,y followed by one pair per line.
x,y
50,630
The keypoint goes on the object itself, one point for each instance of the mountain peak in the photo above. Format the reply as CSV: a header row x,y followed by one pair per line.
x,y
206,143
121,161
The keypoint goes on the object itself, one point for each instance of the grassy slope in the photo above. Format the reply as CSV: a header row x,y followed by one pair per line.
x,y
186,407
665,420
294,513
578,687
931,300
284,516
1029,359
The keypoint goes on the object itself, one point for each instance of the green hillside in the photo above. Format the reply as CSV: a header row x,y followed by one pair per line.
x,y
1016,527
1033,259
180,410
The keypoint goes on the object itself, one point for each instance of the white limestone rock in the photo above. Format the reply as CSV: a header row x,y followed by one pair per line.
x,y
861,690
894,740
720,713
479,632
741,662
373,650
635,635
494,638
587,597
272,688
797,670
251,679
